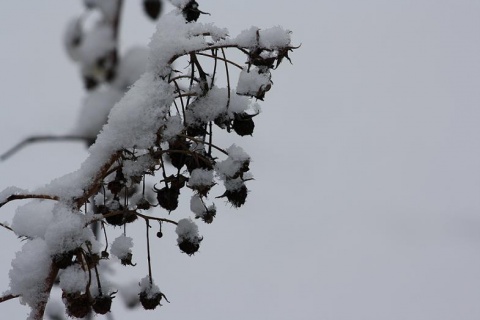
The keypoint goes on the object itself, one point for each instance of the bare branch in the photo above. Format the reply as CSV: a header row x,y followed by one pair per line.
x,y
28,196
8,297
34,139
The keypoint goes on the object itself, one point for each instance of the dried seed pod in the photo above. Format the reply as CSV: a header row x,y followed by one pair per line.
x,y
197,130
243,127
208,216
178,156
236,197
258,58
102,304
189,246
150,300
63,260
89,82
152,8
77,304
168,198
127,260
143,204
191,12
104,255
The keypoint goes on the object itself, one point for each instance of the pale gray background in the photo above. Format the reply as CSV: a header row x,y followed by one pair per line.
x,y
366,201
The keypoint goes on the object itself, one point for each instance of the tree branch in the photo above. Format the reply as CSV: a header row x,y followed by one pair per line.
x,y
8,297
28,196
34,139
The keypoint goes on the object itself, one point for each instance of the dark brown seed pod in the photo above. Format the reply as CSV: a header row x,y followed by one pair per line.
x,y
209,215
127,260
198,161
257,59
63,260
178,152
105,255
191,12
168,198
150,301
90,83
236,197
243,127
188,246
102,304
143,204
115,186
197,130
152,8
77,305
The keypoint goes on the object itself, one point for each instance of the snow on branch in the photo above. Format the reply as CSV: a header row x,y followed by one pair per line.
x,y
163,126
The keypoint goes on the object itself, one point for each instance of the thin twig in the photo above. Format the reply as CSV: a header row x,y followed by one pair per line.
x,y
28,196
207,143
8,297
155,218
27,141
6,227
219,58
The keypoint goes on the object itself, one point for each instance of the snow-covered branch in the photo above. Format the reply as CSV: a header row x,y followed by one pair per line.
x,y
163,126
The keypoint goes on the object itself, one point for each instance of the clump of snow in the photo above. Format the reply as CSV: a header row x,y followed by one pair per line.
x,y
122,247
230,167
137,166
215,103
135,120
67,230
197,206
187,230
271,38
200,177
234,184
94,112
175,37
30,268
173,126
96,44
73,279
251,82
247,38
275,38
32,219
151,290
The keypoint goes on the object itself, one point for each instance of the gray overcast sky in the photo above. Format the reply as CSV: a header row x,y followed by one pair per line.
x,y
366,157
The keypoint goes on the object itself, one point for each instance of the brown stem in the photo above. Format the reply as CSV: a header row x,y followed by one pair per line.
x,y
38,312
28,196
34,139
8,297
